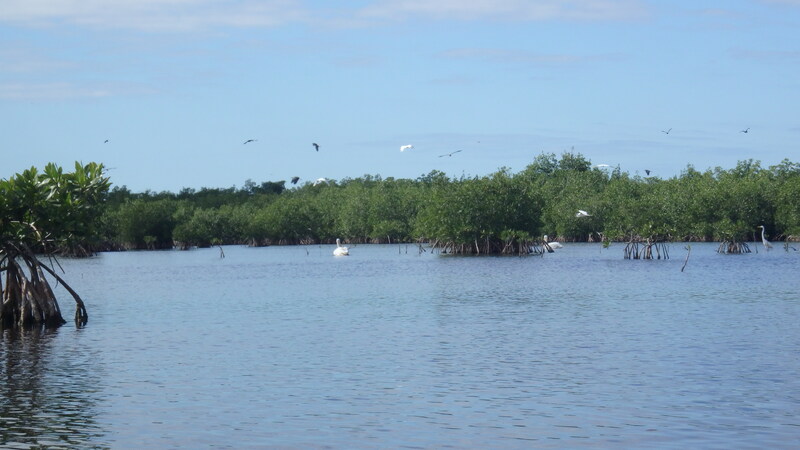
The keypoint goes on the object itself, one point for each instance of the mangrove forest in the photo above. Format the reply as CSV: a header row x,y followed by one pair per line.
x,y
502,212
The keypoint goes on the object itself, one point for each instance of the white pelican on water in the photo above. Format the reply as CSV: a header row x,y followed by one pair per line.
x,y
339,250
553,244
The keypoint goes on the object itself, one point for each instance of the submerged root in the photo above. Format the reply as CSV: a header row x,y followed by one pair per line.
x,y
488,247
733,248
646,250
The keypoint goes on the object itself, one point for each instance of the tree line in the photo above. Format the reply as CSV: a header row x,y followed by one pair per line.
x,y
491,213
48,212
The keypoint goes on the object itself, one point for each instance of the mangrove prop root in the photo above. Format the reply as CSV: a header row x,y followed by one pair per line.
x,y
81,315
646,250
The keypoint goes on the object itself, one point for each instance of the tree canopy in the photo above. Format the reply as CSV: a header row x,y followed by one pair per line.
x,y
497,210
45,213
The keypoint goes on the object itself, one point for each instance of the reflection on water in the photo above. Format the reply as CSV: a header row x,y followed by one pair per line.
x,y
291,347
48,393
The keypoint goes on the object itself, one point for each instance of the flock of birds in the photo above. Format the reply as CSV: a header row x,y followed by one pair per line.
x,y
316,146
341,250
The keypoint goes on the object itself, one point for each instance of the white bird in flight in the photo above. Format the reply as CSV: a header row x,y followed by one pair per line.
x,y
582,213
320,181
406,147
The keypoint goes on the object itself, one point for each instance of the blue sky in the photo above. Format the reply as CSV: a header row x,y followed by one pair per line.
x,y
177,86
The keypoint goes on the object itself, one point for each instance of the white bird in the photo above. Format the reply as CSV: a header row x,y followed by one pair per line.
x,y
406,147
764,240
339,250
320,181
582,213
602,166
553,244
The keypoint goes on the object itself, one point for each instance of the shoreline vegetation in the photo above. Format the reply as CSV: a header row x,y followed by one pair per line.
x,y
52,212
500,213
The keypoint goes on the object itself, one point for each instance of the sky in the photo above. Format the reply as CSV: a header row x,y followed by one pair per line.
x,y
164,93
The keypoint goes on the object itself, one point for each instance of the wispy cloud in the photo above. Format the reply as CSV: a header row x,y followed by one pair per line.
x,y
792,56
509,10
195,15
497,55
65,91
153,15
783,2
23,61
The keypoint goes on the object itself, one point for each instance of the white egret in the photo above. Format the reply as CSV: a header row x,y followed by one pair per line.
x,y
764,240
406,147
320,181
582,213
553,244
339,250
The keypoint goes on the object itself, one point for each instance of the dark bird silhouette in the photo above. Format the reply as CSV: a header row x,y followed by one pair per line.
x,y
250,140
106,142
746,130
316,146
295,180
449,154
666,131
647,171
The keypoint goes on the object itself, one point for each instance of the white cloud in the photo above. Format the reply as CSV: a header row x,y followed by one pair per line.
x,y
783,2
65,91
525,57
511,10
193,15
152,15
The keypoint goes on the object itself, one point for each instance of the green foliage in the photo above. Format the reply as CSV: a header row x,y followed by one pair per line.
x,y
502,207
52,209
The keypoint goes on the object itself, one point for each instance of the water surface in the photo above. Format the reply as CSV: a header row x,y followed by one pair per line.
x,y
390,347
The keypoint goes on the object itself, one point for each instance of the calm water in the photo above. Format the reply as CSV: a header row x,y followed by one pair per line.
x,y
291,347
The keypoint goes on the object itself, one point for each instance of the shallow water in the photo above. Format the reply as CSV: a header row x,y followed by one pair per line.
x,y
390,347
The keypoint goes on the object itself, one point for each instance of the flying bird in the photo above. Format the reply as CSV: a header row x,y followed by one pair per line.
x,y
666,131
295,180
406,147
250,140
106,142
582,213
746,130
602,166
320,181
449,154
316,146
647,171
